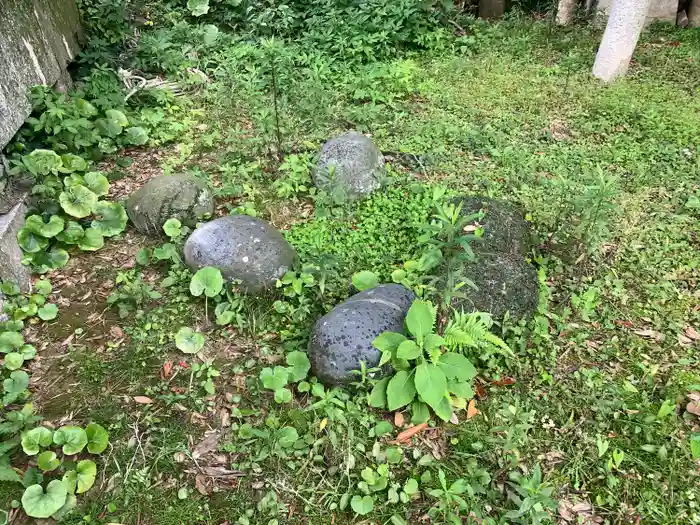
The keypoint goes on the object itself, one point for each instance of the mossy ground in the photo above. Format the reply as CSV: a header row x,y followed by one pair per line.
x,y
607,348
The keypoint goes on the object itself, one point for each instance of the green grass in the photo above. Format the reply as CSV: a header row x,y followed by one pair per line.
x,y
514,115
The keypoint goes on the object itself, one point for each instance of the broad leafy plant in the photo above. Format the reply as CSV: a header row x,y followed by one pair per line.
x,y
428,374
80,220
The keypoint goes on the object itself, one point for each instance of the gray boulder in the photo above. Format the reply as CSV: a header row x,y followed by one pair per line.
x,y
182,196
342,338
11,267
505,283
350,166
505,227
243,248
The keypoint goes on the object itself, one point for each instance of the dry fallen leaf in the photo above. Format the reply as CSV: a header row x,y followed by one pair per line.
x,y
398,419
116,332
167,370
143,400
406,435
653,334
581,513
471,409
208,444
694,405
692,333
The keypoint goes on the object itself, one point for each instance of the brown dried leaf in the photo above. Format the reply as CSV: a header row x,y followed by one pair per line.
x,y
221,472
652,334
143,400
694,408
398,419
202,486
208,444
406,435
116,332
692,333
471,409
581,513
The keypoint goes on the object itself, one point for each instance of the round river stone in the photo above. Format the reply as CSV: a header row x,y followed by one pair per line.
x,y
343,337
182,196
505,227
505,283
243,248
349,167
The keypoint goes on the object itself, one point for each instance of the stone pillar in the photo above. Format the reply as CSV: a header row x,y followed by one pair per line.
x,y
11,267
694,13
491,9
625,23
566,11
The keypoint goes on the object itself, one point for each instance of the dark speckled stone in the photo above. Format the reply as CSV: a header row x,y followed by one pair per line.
x,y
342,338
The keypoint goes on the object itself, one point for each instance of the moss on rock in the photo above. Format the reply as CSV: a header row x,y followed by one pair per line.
x,y
505,283
505,227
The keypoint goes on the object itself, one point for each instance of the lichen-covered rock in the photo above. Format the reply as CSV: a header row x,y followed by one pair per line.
x,y
349,167
182,196
342,338
505,227
243,248
505,283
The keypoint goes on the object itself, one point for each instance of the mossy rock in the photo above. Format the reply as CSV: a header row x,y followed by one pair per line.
x,y
505,283
181,196
505,227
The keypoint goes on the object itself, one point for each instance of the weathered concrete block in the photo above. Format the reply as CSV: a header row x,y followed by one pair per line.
x,y
11,267
38,39
659,10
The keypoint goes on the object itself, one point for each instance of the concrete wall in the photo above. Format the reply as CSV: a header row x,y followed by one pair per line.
x,y
38,39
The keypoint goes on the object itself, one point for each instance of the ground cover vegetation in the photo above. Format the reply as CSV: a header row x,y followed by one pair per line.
x,y
182,400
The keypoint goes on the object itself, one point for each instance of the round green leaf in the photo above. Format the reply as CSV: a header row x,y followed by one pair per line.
x,y
48,461
198,7
431,384
36,224
39,504
10,341
16,383
27,351
362,505
207,280
35,439
43,287
365,280
77,201
70,480
14,361
72,438
51,260
211,34
72,234
410,487
400,391
87,471
97,438
68,506
189,341
42,162
299,366
283,395
92,240
72,163
136,135
31,242
97,183
172,227
388,341
274,379
111,218
287,436
117,116
48,312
